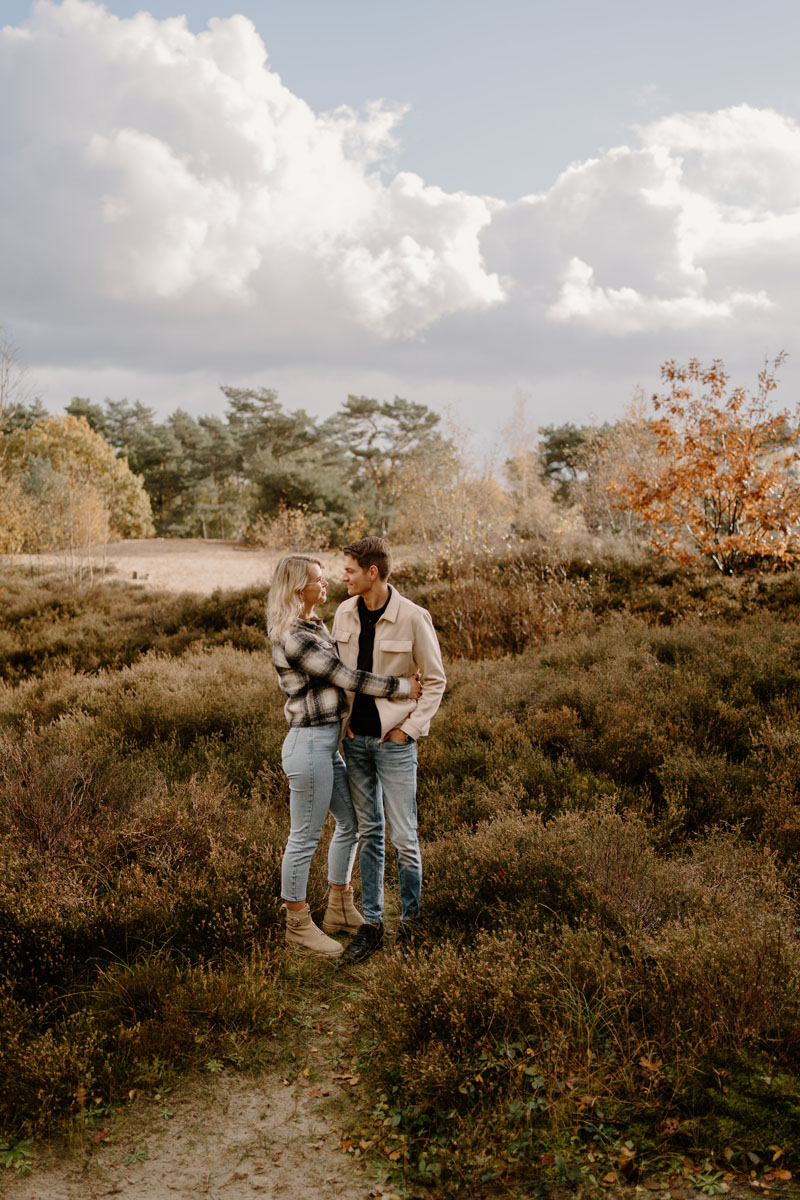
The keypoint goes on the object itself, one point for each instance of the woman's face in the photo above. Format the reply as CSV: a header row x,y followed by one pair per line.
x,y
316,588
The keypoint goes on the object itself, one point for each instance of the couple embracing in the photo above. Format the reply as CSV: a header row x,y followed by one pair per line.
x,y
379,678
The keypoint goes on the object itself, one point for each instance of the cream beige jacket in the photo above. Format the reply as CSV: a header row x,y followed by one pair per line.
x,y
405,641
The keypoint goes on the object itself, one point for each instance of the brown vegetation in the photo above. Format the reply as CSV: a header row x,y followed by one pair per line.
x,y
609,818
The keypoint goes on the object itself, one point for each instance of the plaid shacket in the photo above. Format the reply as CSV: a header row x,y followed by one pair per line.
x,y
313,677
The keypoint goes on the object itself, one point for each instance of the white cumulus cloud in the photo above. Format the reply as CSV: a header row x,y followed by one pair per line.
x,y
147,163
624,310
696,225
171,210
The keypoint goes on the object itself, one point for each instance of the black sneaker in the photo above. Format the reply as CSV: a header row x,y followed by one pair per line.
x,y
368,939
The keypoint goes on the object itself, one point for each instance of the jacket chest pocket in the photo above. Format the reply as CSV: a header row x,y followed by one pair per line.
x,y
395,646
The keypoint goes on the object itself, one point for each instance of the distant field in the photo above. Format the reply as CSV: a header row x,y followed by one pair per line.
x,y
179,564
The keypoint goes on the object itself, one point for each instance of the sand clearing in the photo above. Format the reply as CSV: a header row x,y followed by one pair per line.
x,y
179,564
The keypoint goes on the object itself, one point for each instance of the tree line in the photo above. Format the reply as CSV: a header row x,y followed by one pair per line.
x,y
230,477
707,470
217,477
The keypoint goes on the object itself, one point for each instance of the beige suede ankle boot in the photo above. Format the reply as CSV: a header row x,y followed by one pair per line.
x,y
304,934
341,915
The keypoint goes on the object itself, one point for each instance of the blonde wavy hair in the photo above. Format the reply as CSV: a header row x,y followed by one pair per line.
x,y
284,604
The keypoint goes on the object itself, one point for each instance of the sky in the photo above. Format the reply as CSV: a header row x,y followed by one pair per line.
x,y
462,204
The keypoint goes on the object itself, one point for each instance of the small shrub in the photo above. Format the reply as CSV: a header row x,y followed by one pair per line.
x,y
509,871
288,529
485,606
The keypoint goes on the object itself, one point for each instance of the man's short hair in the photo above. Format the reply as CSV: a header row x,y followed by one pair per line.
x,y
371,551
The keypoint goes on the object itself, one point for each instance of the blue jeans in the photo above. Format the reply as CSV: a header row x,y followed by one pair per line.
x,y
383,784
317,785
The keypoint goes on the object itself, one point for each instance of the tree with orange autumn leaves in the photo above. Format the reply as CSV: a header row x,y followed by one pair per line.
x,y
726,485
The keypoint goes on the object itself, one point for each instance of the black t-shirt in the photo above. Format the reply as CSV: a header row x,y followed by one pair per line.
x,y
365,718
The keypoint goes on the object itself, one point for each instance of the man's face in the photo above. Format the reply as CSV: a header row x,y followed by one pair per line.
x,y
358,580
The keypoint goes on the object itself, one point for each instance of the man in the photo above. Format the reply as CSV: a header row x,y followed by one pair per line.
x,y
378,630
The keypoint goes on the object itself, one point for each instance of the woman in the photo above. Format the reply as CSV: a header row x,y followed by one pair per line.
x,y
313,677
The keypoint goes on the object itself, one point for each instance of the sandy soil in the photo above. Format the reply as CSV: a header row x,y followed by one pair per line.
x,y
178,565
187,564
223,1135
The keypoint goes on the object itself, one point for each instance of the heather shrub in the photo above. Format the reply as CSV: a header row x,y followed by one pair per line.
x,y
124,944
158,1004
731,966
45,623
600,866
45,1065
498,1040
676,721
616,854
510,872
134,1023
482,760
486,605
181,870
214,709
46,800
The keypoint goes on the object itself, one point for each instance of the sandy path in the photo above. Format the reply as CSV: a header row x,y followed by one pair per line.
x,y
235,1138
223,1135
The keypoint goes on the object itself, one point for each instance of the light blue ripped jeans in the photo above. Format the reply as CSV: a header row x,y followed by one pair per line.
x,y
317,785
